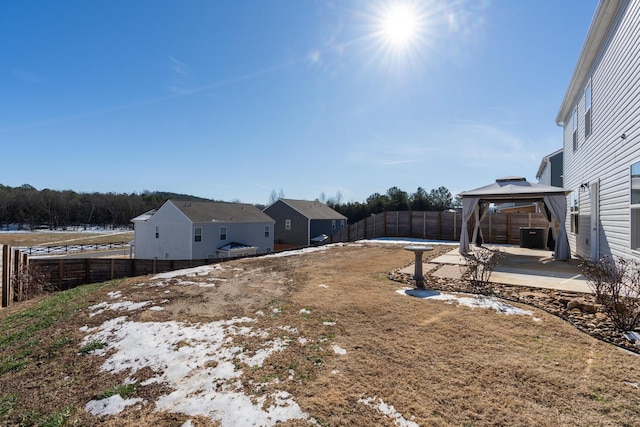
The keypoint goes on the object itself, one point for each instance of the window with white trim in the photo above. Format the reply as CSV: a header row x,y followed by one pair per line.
x,y
333,224
197,234
287,224
574,209
157,231
342,224
223,233
635,206
267,231
587,110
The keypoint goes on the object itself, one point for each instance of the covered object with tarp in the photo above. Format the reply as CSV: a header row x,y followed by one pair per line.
x,y
553,199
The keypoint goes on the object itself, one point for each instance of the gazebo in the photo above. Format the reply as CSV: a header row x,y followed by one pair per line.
x,y
512,188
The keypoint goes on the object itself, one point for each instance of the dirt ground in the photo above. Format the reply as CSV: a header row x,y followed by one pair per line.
x,y
435,363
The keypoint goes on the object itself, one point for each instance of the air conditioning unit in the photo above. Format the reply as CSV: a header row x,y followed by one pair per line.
x,y
532,237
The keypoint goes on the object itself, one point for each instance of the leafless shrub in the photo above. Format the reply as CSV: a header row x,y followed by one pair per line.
x,y
615,281
481,262
29,282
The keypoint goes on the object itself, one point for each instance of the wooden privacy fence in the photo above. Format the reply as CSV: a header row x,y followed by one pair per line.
x,y
496,227
66,273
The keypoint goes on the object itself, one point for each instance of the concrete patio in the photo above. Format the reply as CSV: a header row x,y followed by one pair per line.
x,y
521,267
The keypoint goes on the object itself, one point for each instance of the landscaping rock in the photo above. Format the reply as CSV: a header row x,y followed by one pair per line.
x,y
581,310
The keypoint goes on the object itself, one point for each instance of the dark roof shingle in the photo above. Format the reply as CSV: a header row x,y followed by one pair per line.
x,y
202,212
313,210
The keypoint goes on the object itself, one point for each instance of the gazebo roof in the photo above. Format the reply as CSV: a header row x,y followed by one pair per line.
x,y
514,188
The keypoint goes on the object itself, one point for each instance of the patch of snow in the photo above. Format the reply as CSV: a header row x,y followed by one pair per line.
x,y
114,295
305,311
202,270
338,349
302,340
303,251
388,411
262,354
632,336
109,406
199,363
328,323
117,306
259,313
476,301
323,286
156,308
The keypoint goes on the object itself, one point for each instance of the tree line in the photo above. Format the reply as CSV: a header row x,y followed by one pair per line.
x,y
395,199
29,208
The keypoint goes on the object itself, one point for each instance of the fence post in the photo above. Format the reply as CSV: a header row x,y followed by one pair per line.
x,y
6,276
455,226
384,224
490,229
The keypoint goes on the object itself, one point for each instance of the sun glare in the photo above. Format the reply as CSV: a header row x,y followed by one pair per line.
x,y
400,30
400,24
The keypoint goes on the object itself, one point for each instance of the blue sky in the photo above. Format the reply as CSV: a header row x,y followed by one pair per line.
x,y
233,99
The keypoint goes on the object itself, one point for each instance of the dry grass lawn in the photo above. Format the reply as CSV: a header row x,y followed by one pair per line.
x,y
436,363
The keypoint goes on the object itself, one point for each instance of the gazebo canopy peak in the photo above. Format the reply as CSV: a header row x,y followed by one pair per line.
x,y
511,179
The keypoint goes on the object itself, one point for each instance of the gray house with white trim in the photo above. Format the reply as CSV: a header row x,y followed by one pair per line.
x,y
301,222
600,114
550,170
202,230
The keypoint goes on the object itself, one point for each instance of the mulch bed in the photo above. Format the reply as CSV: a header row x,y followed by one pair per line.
x,y
579,309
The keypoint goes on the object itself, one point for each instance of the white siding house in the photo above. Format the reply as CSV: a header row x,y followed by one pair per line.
x,y
201,230
600,114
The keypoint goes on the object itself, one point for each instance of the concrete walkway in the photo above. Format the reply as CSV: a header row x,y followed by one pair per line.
x,y
521,267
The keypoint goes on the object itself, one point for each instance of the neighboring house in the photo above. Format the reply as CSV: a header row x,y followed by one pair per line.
x,y
550,170
601,123
201,230
301,222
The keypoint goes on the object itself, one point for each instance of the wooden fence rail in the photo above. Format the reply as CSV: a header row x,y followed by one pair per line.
x,y
66,273
496,227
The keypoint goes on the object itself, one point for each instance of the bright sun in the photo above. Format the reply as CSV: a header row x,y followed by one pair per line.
x,y
400,25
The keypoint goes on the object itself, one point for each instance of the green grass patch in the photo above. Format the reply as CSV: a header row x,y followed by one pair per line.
x,y
7,402
58,418
93,345
123,390
21,332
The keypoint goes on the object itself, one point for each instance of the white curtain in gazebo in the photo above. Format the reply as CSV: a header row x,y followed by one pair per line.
x,y
557,204
469,205
480,213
